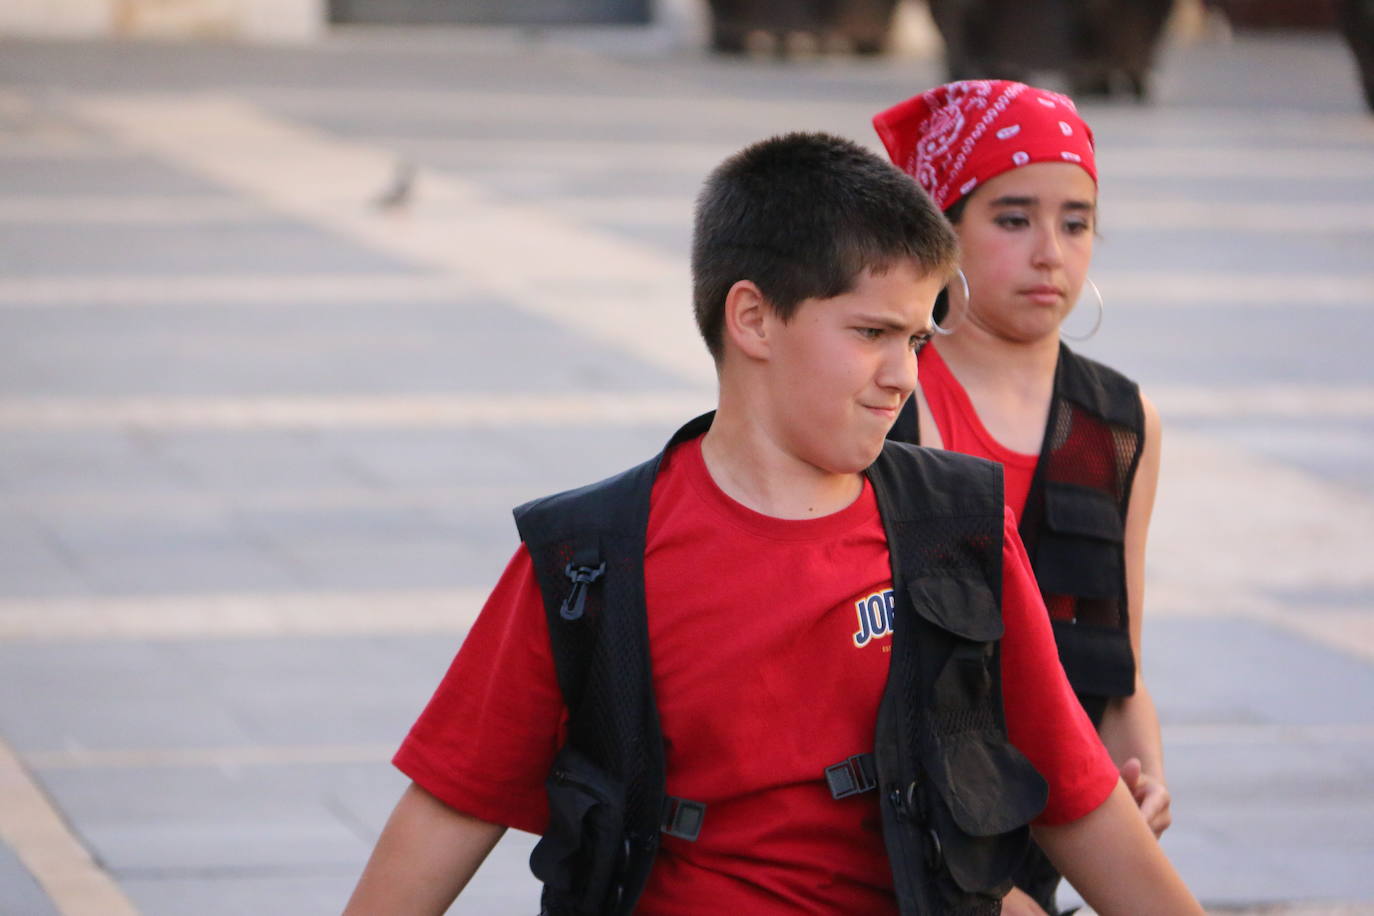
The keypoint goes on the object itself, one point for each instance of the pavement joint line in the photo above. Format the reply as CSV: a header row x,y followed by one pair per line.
x,y
1276,733
225,757
1299,125
235,290
96,501
1233,163
267,756
209,616
1219,289
1174,162
1162,213
1125,213
126,210
83,758
604,408
1237,289
1266,401
457,411
453,226
37,833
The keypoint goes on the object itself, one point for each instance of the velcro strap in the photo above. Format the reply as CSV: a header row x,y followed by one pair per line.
x,y
682,818
849,777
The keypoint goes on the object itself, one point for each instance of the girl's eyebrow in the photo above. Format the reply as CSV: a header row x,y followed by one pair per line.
x,y
1017,200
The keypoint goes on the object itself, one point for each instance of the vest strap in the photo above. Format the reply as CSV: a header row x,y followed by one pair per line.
x,y
682,818
854,776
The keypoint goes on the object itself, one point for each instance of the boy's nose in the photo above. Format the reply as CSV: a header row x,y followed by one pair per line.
x,y
899,371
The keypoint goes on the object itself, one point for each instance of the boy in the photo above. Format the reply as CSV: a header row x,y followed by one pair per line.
x,y
826,724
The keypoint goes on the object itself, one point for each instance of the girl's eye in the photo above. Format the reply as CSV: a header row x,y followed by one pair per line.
x,y
1012,221
1078,226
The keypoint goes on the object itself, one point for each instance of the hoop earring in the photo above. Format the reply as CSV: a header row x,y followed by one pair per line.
x,y
935,325
1100,309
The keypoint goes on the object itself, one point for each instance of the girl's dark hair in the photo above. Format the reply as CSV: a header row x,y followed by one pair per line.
x,y
802,216
954,213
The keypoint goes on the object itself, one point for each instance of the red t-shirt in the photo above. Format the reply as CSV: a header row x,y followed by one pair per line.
x,y
765,673
962,431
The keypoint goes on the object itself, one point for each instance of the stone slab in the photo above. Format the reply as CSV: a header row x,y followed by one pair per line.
x,y
269,247
230,693
22,895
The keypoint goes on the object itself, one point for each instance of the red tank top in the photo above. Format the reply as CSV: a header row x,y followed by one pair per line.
x,y
962,431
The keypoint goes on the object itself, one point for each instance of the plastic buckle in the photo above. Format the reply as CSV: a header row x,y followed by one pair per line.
x,y
854,776
682,818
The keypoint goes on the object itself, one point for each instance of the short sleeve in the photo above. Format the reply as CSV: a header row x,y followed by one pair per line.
x,y
1044,719
486,741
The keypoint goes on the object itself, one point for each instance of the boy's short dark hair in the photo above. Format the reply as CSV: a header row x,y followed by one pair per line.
x,y
802,216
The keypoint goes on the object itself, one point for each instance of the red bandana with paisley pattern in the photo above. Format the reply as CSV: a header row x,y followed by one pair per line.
x,y
957,136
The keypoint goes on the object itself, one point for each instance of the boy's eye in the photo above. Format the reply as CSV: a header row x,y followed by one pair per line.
x,y
870,333
919,341
1012,221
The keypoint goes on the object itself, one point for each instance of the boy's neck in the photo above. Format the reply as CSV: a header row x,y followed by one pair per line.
x,y
749,464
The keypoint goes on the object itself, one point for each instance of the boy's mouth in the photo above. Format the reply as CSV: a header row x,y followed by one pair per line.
x,y
886,412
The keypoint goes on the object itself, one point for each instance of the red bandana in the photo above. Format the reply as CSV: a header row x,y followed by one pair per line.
x,y
956,136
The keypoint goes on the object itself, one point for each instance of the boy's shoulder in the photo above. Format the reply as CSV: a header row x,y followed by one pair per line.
x,y
605,505
618,503
940,482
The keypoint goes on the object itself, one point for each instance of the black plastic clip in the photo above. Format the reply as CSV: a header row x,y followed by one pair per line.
x,y
682,818
581,577
854,776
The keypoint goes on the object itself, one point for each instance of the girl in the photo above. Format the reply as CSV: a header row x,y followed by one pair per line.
x,y
1012,167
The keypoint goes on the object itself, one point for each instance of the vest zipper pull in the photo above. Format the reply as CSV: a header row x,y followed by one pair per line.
x,y
576,601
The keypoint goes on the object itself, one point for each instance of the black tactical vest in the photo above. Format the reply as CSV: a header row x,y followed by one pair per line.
x,y
955,796
1074,521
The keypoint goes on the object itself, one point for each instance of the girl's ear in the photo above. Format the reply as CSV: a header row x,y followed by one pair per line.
x,y
746,323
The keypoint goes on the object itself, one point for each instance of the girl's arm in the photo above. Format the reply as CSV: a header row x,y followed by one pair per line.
x,y
1130,725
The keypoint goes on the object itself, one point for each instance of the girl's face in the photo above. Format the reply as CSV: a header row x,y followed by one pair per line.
x,y
1027,240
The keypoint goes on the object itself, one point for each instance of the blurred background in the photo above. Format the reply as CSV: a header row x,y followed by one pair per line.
x,y
297,299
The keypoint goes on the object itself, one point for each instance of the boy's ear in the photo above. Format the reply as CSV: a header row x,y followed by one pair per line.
x,y
746,319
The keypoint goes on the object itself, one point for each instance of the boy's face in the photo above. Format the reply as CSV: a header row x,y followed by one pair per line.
x,y
841,368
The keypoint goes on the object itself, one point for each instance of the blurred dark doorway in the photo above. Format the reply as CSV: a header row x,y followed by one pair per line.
x,y
489,12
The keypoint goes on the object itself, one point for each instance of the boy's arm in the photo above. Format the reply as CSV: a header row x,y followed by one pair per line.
x,y
1130,725
426,854
1113,860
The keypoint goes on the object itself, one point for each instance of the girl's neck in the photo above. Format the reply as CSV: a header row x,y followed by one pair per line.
x,y
1009,384
983,359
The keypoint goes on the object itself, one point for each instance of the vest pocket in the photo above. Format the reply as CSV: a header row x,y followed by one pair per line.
x,y
1079,550
1098,660
983,791
579,855
987,793
961,605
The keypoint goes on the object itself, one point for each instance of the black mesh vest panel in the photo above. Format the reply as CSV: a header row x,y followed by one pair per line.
x,y
1073,524
955,796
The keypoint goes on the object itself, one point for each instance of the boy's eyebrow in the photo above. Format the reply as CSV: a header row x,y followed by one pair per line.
x,y
893,324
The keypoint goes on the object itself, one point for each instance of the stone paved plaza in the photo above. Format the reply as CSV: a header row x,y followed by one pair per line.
x,y
260,434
